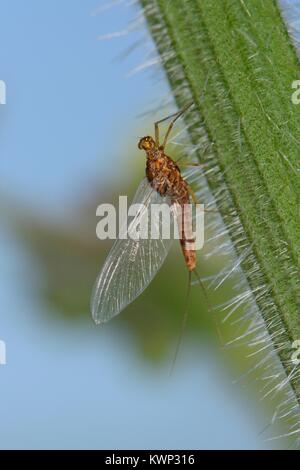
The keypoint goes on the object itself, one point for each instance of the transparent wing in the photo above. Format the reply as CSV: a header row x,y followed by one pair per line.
x,y
132,263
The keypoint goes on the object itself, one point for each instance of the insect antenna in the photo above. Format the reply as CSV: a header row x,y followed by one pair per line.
x,y
184,321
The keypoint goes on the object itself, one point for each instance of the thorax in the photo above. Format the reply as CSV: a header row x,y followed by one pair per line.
x,y
164,176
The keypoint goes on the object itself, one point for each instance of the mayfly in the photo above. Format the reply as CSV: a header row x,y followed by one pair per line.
x,y
132,264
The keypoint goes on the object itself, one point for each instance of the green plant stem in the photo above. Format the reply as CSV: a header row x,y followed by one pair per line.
x,y
235,60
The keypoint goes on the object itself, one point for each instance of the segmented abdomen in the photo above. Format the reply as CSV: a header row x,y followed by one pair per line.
x,y
165,177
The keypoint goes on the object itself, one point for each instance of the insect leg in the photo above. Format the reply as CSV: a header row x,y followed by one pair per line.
x,y
190,165
175,116
195,200
194,197
156,126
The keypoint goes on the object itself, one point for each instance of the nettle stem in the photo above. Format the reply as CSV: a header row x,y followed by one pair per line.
x,y
235,60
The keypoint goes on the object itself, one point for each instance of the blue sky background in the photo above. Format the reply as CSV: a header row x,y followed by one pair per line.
x,y
70,114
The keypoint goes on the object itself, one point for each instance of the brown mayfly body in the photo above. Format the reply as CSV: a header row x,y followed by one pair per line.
x,y
132,264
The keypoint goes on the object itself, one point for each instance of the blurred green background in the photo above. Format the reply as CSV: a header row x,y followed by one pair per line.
x,y
68,140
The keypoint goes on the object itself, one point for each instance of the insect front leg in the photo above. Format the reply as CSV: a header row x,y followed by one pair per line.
x,y
157,123
175,116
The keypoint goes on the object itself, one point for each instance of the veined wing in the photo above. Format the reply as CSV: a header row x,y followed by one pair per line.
x,y
132,263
